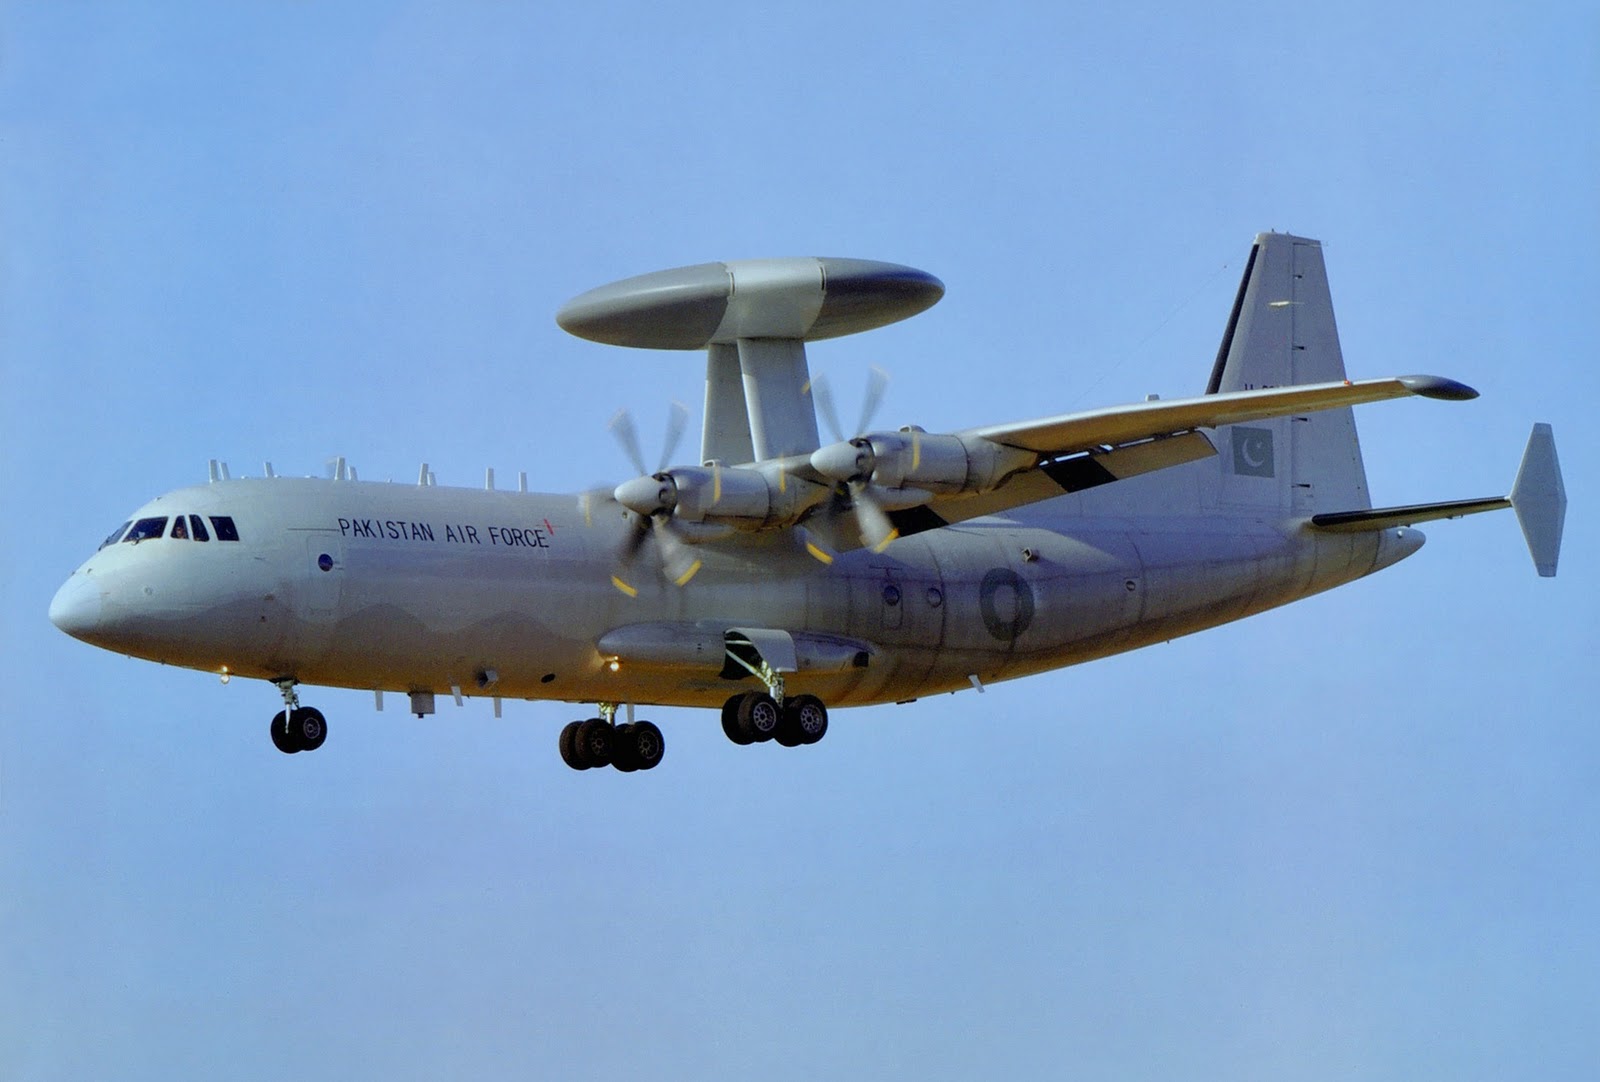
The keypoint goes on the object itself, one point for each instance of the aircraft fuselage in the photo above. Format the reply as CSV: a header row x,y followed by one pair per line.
x,y
406,588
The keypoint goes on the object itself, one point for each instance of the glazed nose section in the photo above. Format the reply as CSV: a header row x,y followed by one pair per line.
x,y
77,607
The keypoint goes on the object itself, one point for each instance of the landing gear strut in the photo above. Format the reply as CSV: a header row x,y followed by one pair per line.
x,y
297,728
758,716
633,745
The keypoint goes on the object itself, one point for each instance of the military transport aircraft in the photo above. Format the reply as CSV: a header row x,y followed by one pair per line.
x,y
779,577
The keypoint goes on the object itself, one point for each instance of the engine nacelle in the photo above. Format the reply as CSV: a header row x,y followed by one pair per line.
x,y
914,459
744,497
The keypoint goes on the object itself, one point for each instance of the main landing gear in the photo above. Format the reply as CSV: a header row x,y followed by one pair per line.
x,y
755,717
633,745
295,727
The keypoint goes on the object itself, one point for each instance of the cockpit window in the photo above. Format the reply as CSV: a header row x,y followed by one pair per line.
x,y
180,532
146,528
197,528
115,534
225,528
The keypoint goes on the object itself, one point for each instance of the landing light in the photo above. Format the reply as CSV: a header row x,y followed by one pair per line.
x,y
615,665
224,674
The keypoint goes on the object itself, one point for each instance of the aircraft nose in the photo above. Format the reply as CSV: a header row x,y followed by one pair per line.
x,y
77,607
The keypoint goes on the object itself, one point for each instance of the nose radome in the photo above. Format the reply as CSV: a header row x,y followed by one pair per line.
x,y
77,606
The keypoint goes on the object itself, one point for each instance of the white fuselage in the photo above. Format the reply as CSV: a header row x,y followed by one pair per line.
x,y
407,588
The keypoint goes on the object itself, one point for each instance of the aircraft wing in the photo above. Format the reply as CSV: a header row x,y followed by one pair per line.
x,y
1118,425
1096,447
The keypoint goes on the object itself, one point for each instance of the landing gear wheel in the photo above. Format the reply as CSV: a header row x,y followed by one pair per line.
x,y
624,756
788,733
569,746
594,741
730,721
309,726
301,729
808,716
648,745
758,716
282,738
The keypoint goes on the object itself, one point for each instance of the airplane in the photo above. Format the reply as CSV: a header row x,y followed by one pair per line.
x,y
781,577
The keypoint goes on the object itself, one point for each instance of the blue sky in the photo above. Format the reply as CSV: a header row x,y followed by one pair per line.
x,y
1350,839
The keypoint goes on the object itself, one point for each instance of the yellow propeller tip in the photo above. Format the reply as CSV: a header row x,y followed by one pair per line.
x,y
683,579
820,554
624,587
881,545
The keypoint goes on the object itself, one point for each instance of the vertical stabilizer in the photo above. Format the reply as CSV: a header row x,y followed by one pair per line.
x,y
1281,333
1540,500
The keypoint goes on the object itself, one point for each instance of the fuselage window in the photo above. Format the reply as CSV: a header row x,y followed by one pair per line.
x,y
145,529
115,534
225,528
180,532
197,528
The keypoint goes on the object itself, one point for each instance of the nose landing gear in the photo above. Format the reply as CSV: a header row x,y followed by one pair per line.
x,y
297,728
300,729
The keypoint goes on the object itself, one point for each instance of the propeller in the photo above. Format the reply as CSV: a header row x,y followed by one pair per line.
x,y
851,460
622,427
877,383
648,501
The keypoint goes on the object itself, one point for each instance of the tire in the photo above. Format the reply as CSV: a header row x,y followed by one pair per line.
x,y
788,732
594,742
310,728
282,738
624,756
810,717
730,722
649,746
569,746
758,716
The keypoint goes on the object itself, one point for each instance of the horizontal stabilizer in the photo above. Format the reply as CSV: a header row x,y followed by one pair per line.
x,y
1538,497
1383,518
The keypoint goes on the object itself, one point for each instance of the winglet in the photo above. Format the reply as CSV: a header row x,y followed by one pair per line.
x,y
1540,499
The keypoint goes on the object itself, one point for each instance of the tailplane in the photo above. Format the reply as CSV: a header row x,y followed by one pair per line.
x,y
1539,498
1281,333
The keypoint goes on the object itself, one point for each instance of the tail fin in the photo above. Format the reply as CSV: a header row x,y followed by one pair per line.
x,y
1281,333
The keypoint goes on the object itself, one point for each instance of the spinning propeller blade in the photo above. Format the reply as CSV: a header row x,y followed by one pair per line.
x,y
678,563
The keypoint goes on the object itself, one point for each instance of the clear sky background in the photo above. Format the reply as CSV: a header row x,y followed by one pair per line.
x,y
1358,838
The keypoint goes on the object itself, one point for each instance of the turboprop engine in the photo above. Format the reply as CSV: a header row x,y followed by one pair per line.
x,y
916,460
744,497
